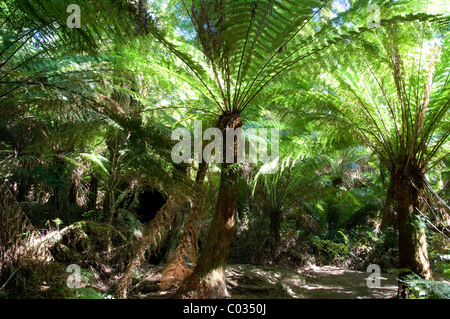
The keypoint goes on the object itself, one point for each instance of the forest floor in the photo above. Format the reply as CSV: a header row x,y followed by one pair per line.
x,y
273,282
313,282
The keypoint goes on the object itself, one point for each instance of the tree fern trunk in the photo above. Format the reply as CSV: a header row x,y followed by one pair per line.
x,y
388,218
208,278
275,228
174,237
177,270
23,187
109,199
412,244
60,190
153,237
108,213
93,194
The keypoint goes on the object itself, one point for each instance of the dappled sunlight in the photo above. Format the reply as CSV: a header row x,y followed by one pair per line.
x,y
329,282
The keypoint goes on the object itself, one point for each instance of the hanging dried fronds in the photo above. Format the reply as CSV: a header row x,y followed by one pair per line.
x,y
181,262
18,237
185,255
154,235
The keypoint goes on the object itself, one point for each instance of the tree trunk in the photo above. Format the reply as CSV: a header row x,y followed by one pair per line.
x,y
72,196
208,278
60,190
23,187
93,194
388,218
154,235
172,241
108,213
177,269
107,206
275,228
412,244
109,200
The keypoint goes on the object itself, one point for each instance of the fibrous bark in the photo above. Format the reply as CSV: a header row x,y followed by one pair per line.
x,y
154,235
208,278
177,269
412,244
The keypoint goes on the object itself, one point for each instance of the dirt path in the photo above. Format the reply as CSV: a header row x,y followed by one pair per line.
x,y
326,282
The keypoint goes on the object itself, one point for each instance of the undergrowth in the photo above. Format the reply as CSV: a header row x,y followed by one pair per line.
x,y
28,275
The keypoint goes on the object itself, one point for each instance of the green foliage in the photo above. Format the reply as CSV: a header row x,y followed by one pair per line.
x,y
330,251
89,293
445,264
86,291
86,117
427,289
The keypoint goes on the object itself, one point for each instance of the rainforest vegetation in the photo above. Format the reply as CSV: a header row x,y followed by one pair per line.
x,y
350,98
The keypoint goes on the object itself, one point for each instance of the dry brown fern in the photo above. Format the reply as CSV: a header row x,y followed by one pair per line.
x,y
184,257
178,267
154,235
19,240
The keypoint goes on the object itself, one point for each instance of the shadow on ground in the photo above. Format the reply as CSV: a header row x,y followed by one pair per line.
x,y
326,282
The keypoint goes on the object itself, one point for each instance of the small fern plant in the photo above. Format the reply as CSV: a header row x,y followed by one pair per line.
x,y
427,289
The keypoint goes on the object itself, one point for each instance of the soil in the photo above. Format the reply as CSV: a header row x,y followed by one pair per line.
x,y
246,281
325,282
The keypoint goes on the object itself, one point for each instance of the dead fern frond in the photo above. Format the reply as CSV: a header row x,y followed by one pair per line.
x,y
18,238
184,257
154,235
